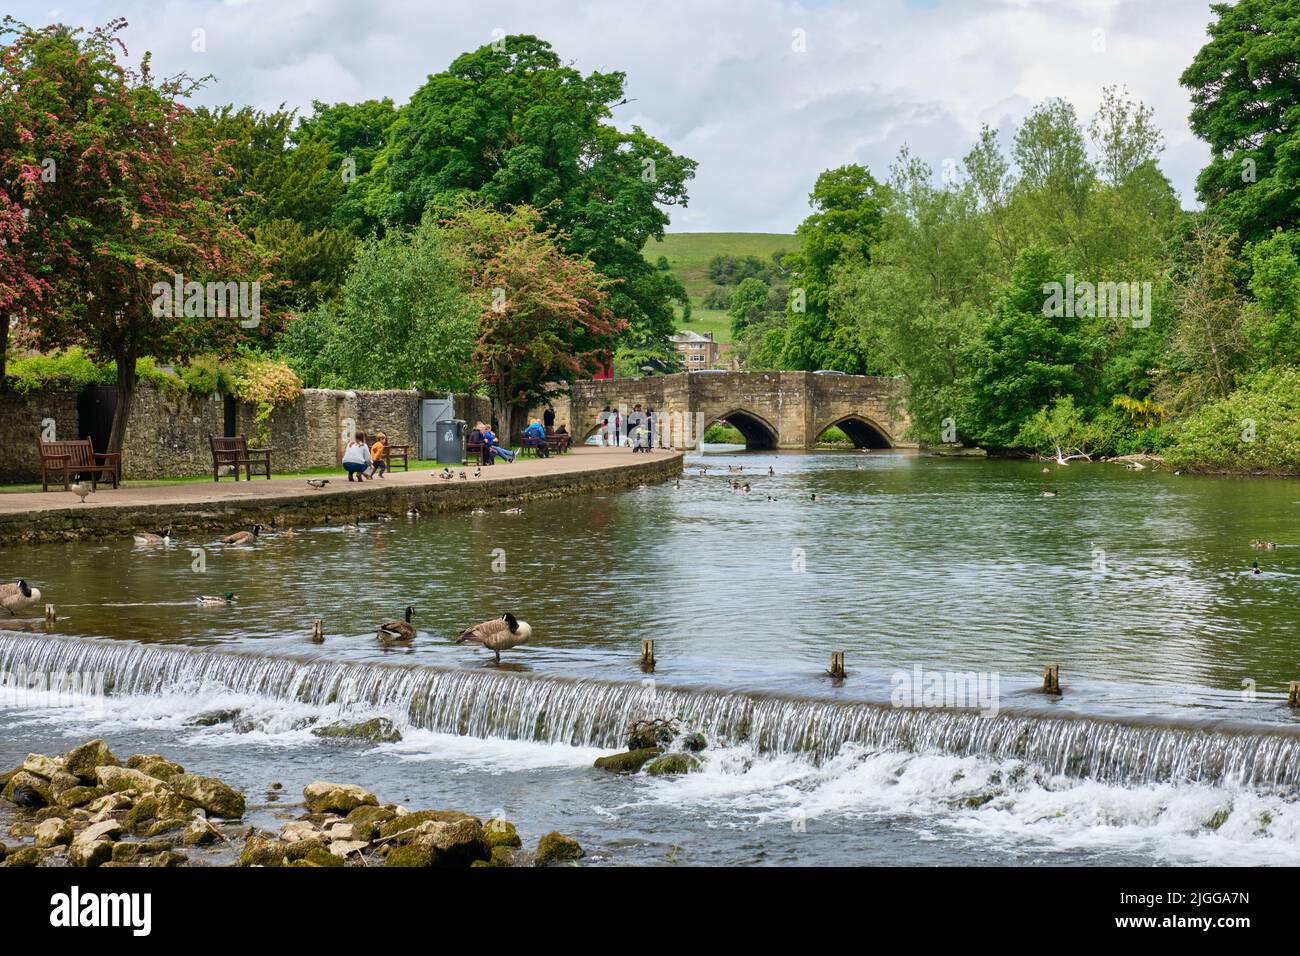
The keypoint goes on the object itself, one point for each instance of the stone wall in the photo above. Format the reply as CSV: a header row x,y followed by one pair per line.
x,y
167,435
305,508
21,424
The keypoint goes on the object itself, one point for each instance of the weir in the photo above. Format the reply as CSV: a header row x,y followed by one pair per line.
x,y
492,704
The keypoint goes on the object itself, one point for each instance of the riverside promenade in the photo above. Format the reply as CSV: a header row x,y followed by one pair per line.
x,y
57,515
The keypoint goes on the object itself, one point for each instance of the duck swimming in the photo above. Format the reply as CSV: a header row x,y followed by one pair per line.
x,y
213,600
1263,545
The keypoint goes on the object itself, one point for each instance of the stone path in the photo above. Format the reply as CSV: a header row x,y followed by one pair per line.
x,y
279,490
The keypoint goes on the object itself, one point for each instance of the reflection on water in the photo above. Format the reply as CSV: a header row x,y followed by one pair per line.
x,y
1135,583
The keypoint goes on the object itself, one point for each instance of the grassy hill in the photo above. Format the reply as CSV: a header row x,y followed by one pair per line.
x,y
688,256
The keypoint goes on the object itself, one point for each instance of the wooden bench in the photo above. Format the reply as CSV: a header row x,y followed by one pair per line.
x,y
531,445
474,449
77,457
559,442
235,452
395,452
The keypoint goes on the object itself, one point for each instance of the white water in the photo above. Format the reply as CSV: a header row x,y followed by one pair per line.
x,y
1072,790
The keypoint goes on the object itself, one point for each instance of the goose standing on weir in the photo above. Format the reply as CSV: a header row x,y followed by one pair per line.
x,y
497,635
18,596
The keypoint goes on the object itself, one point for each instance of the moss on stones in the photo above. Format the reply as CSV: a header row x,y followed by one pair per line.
x,y
629,762
671,764
558,848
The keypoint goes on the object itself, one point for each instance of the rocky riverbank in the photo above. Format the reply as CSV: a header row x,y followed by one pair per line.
x,y
89,808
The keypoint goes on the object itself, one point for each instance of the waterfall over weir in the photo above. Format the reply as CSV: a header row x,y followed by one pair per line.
x,y
492,704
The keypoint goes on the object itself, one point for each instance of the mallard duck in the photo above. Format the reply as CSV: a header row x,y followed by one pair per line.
x,y
478,472
317,632
18,596
1050,494
497,635
397,630
289,533
216,600
148,537
413,513
1255,568
318,483
1263,545
243,537
353,525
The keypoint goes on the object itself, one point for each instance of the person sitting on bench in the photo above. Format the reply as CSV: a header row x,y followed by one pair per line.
x,y
535,435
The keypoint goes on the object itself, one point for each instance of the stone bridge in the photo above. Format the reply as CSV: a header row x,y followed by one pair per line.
x,y
771,409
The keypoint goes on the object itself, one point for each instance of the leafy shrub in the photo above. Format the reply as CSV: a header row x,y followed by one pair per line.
x,y
70,370
1254,429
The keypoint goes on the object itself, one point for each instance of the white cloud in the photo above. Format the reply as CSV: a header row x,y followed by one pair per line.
x,y
719,81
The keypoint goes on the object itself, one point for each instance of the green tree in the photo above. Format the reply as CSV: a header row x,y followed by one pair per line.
x,y
1245,101
747,303
405,319
848,207
511,124
353,134
1023,358
1275,283
544,314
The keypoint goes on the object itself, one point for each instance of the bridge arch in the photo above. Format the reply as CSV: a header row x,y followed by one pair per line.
x,y
758,432
862,431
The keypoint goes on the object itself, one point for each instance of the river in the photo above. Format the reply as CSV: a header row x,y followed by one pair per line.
x,y
1172,741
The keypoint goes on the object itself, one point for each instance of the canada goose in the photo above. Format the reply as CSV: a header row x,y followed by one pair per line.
x,y
445,474
497,635
813,497
317,632
771,472
478,472
397,630
678,484
81,489
462,476
216,600
318,483
745,488
148,537
353,525
243,537
18,596
1263,545
1051,494
384,517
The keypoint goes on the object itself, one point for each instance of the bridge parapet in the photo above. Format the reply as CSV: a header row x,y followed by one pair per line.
x,y
772,409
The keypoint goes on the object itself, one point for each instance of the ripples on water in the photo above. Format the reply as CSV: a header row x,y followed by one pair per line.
x,y
1132,581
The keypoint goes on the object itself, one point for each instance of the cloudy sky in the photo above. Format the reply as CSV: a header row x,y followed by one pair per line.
x,y
764,94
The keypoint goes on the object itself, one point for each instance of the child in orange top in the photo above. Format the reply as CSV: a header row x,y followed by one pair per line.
x,y
377,464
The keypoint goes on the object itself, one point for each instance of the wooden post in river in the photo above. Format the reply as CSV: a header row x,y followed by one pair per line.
x,y
837,665
1052,679
1293,694
647,655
